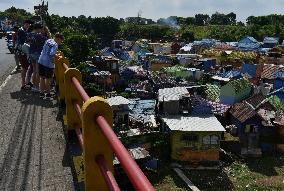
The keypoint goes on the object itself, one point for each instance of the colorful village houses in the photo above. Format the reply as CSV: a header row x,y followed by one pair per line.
x,y
195,131
279,122
253,119
120,107
252,72
269,73
108,63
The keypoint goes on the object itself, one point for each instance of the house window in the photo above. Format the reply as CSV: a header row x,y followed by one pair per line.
x,y
211,140
189,140
114,66
250,129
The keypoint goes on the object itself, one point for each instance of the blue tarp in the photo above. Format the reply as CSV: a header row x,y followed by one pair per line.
x,y
142,108
271,40
120,54
205,42
278,83
208,64
249,69
279,93
279,74
248,43
248,39
106,52
231,74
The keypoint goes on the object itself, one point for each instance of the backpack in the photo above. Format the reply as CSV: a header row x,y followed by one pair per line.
x,y
37,41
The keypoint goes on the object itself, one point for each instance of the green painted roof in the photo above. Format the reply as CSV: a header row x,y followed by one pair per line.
x,y
240,84
276,103
212,92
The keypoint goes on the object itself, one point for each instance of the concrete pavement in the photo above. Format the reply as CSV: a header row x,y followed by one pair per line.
x,y
33,153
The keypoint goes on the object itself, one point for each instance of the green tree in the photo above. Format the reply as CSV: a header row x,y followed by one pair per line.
x,y
202,19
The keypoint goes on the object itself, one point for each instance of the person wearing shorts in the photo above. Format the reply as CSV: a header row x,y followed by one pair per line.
x,y
37,41
45,72
22,51
46,65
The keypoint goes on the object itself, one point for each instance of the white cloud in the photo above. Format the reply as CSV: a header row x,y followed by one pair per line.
x,y
153,8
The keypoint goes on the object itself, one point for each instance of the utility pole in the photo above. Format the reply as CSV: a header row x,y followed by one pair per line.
x,y
41,10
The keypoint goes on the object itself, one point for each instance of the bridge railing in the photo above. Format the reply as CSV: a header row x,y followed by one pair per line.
x,y
97,139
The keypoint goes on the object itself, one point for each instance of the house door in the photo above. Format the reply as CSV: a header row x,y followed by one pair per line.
x,y
252,136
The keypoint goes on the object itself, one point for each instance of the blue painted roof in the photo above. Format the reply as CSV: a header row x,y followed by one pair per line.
x,y
231,74
205,42
249,69
201,110
248,39
279,74
271,40
248,43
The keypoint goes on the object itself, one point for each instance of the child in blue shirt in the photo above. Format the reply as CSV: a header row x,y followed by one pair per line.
x,y
46,65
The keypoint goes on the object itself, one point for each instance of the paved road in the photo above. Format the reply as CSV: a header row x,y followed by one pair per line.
x,y
7,61
33,153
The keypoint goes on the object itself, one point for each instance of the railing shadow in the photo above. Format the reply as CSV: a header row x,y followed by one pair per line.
x,y
16,166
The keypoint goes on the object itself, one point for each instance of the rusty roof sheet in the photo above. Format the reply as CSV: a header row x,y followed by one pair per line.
x,y
256,100
242,111
269,71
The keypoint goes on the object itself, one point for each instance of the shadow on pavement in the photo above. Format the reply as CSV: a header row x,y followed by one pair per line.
x,y
23,158
16,167
30,98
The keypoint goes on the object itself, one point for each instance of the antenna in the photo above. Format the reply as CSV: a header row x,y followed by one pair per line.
x,y
139,16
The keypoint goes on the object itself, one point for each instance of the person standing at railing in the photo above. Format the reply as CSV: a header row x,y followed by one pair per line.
x,y
21,51
45,32
37,41
14,38
46,65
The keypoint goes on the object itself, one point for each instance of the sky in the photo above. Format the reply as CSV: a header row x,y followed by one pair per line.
x,y
153,9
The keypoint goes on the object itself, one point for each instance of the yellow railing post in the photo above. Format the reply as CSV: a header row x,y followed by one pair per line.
x,y
59,74
56,71
95,143
71,95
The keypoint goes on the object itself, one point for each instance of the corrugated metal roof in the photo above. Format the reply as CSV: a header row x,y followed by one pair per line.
x,y
118,100
102,73
136,153
242,111
256,100
270,69
231,74
171,94
193,123
249,69
271,40
248,43
279,74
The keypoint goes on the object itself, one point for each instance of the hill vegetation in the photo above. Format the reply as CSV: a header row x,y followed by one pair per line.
x,y
85,35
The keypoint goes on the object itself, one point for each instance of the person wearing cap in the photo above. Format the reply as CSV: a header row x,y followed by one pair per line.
x,y
46,65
